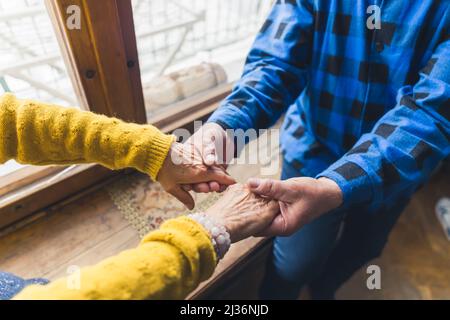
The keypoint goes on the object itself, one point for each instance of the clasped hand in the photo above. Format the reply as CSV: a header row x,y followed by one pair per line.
x,y
282,207
242,212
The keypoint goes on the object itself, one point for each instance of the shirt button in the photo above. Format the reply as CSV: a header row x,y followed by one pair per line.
x,y
379,46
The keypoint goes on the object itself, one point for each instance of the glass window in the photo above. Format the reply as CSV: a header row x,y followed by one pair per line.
x,y
189,47
31,65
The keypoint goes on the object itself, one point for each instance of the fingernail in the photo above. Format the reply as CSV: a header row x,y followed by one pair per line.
x,y
254,182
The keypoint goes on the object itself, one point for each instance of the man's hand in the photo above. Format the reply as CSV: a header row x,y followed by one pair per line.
x,y
184,166
216,150
301,200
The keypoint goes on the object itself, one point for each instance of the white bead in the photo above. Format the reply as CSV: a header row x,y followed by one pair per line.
x,y
215,231
208,225
221,240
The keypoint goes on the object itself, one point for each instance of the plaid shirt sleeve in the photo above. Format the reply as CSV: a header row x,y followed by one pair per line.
x,y
275,71
406,144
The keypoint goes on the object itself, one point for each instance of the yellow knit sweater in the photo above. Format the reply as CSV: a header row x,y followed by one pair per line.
x,y
169,262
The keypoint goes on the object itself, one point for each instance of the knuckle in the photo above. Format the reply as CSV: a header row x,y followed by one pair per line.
x,y
271,186
203,170
267,186
200,169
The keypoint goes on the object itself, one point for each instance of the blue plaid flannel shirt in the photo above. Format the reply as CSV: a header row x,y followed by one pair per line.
x,y
368,108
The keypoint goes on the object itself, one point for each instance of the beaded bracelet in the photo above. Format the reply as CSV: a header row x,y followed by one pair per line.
x,y
220,237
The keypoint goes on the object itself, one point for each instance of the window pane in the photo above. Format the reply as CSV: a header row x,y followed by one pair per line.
x,y
187,47
31,65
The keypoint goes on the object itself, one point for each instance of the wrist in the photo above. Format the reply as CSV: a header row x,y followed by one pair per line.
x,y
218,233
332,192
175,156
157,154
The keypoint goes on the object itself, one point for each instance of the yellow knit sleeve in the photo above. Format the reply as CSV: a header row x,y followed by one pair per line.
x,y
37,133
168,264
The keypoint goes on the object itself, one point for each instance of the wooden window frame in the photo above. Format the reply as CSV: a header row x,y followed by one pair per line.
x,y
24,176
105,74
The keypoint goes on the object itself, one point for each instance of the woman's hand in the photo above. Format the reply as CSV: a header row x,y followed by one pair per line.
x,y
243,213
184,166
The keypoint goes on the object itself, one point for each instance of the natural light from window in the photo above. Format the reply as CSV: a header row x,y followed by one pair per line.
x,y
186,47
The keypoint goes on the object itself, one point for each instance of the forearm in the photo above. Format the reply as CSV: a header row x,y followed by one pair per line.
x,y
275,72
406,144
37,133
168,264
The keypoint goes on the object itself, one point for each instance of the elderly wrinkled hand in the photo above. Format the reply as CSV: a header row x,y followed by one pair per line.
x,y
243,213
301,201
216,150
183,166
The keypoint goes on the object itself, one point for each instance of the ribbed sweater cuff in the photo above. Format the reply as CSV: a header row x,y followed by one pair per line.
x,y
157,153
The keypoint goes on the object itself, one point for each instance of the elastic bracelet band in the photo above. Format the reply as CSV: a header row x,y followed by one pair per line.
x,y
220,237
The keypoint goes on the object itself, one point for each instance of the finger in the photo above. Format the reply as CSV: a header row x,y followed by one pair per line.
x,y
214,186
209,154
267,187
212,174
271,213
223,187
220,176
184,197
202,187
278,227
213,143
186,187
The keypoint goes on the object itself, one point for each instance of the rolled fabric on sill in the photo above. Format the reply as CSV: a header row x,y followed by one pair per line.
x,y
185,83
